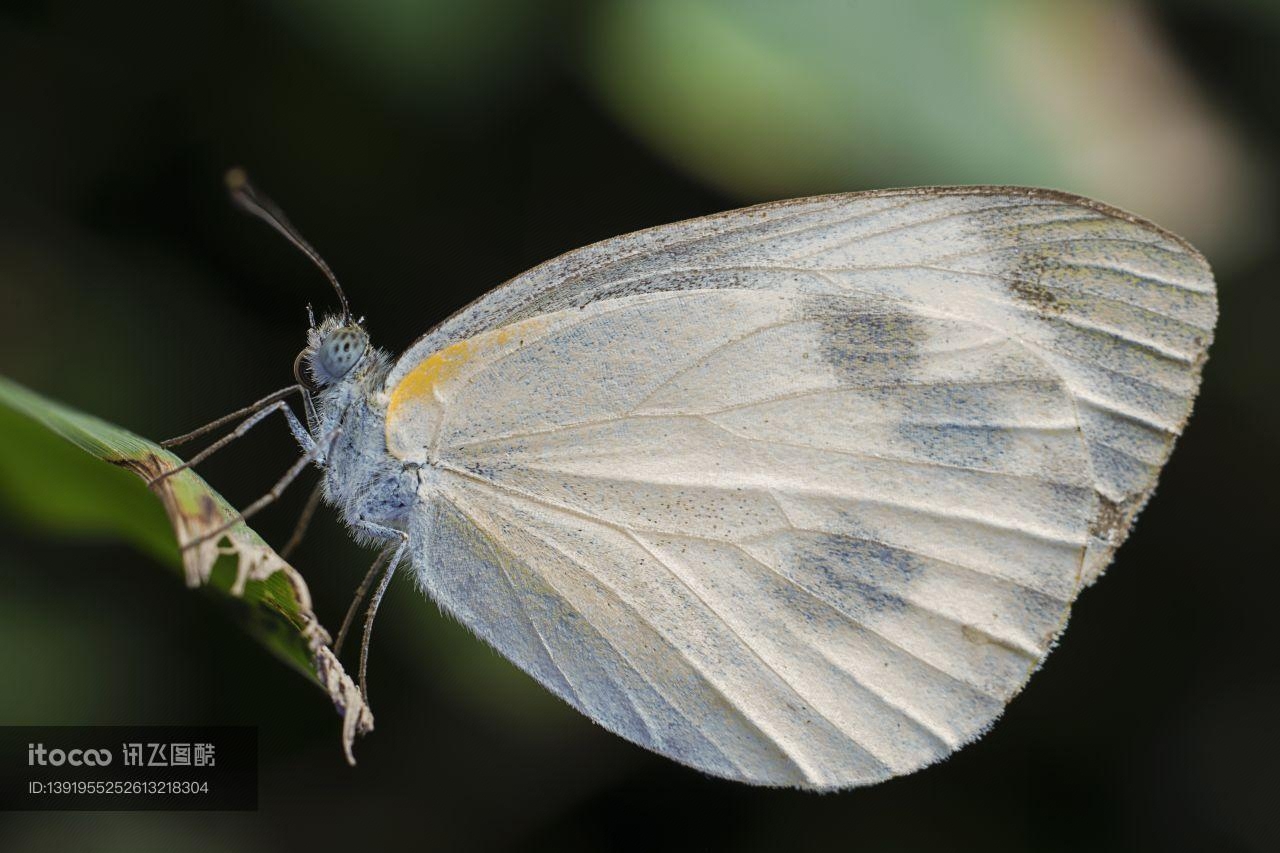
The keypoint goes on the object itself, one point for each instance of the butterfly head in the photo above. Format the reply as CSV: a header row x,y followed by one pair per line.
x,y
338,344
334,350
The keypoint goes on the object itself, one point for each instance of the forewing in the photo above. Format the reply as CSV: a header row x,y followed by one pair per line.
x,y
785,537
1121,311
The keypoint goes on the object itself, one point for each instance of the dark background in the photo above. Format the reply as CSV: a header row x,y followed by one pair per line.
x,y
431,150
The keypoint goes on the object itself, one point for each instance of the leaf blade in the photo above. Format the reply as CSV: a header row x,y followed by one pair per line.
x,y
44,480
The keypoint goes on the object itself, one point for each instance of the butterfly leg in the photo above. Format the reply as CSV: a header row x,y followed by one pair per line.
x,y
373,611
226,419
304,520
316,451
361,592
295,426
396,550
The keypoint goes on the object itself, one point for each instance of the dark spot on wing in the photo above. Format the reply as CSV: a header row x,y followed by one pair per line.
x,y
1034,293
1026,283
859,339
963,445
846,570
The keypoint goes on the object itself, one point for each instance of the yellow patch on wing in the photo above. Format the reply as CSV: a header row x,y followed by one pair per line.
x,y
422,384
422,381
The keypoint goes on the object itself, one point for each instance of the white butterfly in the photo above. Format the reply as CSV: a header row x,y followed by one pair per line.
x,y
798,494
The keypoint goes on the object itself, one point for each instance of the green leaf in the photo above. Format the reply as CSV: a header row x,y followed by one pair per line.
x,y
48,482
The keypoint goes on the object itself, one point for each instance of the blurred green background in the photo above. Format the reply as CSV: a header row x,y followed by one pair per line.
x,y
433,148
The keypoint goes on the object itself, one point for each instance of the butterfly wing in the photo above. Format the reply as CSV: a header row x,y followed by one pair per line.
x,y
1121,310
788,537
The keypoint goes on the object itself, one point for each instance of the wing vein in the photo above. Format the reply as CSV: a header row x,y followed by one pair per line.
x,y
853,620
635,611
542,640
933,512
903,549
1014,280
631,535
1023,245
942,217
620,652
838,223
904,460
573,279
796,395
795,691
707,356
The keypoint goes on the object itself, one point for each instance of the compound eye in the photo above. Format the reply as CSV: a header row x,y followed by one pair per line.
x,y
300,372
340,352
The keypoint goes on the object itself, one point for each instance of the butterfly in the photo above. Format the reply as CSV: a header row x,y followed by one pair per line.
x,y
797,495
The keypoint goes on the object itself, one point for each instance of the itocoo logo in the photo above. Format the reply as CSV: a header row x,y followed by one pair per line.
x,y
38,755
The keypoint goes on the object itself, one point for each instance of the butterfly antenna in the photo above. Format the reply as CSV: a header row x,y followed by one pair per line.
x,y
247,198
